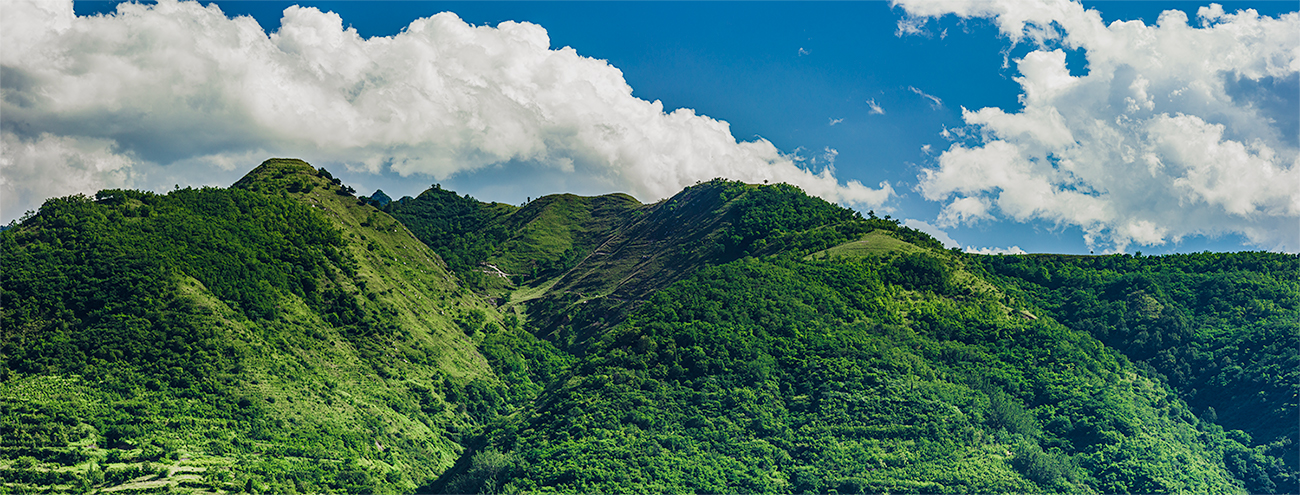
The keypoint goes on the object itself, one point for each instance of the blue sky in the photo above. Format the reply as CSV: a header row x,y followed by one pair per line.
x,y
829,82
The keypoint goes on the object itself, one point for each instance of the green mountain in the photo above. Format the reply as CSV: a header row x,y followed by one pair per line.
x,y
276,335
282,335
893,373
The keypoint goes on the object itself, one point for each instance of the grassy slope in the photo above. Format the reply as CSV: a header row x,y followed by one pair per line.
x,y
874,243
407,278
884,243
660,244
559,229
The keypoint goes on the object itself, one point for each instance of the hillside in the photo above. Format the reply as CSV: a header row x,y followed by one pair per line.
x,y
708,224
553,233
571,257
284,336
856,375
276,335
1220,329
530,245
461,229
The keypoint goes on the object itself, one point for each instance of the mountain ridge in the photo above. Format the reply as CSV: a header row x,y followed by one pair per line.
x,y
284,335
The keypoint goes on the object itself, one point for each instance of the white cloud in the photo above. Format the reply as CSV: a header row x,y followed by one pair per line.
x,y
175,84
994,250
829,155
836,121
1174,130
935,102
937,233
32,170
910,26
875,107
803,52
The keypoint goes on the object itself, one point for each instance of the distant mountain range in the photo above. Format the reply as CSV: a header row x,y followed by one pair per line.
x,y
284,335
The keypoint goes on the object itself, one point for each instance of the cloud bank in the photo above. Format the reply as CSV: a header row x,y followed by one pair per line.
x,y
994,250
155,90
1173,131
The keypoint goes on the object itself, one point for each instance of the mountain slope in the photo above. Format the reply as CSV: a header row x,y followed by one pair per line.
x,y
526,245
705,225
282,335
785,375
273,336
463,230
1222,329
552,233
849,355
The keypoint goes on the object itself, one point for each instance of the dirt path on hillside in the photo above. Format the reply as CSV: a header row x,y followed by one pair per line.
x,y
495,271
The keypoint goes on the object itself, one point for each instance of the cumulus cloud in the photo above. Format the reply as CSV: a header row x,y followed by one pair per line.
x,y
1174,131
47,165
107,100
836,121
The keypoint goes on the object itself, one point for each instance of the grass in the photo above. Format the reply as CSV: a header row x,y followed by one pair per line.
x,y
876,242
529,293
406,277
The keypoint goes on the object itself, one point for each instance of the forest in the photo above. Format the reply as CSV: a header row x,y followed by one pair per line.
x,y
285,336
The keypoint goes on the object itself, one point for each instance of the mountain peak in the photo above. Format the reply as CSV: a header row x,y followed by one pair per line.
x,y
290,174
278,167
380,198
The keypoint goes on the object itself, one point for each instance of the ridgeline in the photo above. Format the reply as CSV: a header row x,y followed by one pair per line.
x,y
283,335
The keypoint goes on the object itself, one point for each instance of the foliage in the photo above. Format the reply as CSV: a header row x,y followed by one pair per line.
x,y
811,376
91,282
459,228
282,336
780,218
236,332
552,234
771,210
1223,329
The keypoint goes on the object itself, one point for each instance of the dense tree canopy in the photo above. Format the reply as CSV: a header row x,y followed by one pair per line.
x,y
786,376
1222,329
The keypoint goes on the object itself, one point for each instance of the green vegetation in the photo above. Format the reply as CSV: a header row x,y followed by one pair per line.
x,y
459,228
495,247
552,234
285,336
1222,329
779,375
252,338
877,242
705,225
